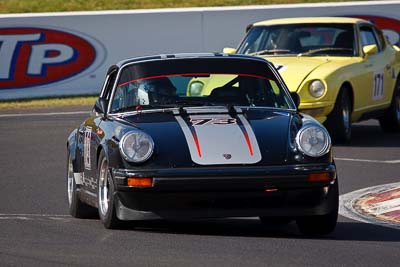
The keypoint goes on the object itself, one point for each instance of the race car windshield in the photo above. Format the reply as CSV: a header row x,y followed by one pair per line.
x,y
309,39
199,89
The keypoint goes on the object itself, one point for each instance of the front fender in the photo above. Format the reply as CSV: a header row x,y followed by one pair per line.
x,y
111,151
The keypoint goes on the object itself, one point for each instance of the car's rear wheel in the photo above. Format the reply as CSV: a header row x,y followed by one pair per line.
x,y
390,121
77,208
321,224
106,196
338,122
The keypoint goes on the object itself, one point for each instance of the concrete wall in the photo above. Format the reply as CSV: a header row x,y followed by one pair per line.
x,y
54,54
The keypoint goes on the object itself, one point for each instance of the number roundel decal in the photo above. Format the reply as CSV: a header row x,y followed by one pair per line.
x,y
212,121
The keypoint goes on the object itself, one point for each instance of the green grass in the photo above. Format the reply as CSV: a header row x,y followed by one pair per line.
x,y
24,6
48,102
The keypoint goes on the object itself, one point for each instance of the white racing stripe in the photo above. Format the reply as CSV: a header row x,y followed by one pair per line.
x,y
44,114
219,139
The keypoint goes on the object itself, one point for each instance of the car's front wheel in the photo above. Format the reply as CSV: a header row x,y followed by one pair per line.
x,y
390,121
77,208
338,122
105,195
321,224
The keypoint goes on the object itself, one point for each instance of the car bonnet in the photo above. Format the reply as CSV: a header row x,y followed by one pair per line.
x,y
217,136
294,70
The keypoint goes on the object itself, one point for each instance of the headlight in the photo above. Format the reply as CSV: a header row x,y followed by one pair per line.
x,y
196,88
317,88
136,146
313,141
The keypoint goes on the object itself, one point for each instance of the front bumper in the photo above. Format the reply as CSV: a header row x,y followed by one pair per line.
x,y
232,192
318,110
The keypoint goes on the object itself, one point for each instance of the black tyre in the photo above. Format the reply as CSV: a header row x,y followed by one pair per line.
x,y
390,121
321,224
338,122
105,195
77,208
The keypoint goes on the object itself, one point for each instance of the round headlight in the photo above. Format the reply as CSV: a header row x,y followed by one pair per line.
x,y
136,146
196,88
313,141
317,88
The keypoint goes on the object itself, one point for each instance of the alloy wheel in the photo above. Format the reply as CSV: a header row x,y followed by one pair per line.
x,y
104,198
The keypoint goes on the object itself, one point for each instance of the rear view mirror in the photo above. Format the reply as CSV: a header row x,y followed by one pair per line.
x,y
229,50
370,50
101,106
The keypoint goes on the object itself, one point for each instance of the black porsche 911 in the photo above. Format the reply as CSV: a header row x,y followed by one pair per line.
x,y
152,150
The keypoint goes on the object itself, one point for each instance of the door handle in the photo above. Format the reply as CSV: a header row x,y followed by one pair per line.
x,y
369,65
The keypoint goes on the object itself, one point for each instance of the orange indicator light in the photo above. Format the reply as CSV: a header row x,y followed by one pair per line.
x,y
140,182
319,177
268,190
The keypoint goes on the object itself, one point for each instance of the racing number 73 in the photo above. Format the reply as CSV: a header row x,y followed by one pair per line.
x,y
377,92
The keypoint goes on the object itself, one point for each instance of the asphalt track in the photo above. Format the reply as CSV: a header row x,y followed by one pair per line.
x,y
35,229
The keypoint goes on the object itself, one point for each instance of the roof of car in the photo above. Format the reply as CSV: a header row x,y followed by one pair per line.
x,y
184,56
310,20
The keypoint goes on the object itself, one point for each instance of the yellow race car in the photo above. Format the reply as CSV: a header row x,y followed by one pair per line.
x,y
343,69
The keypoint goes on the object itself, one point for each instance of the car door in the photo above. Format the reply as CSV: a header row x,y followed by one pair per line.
x,y
388,60
376,68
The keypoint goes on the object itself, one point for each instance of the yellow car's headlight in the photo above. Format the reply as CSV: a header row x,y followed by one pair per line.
x,y
317,88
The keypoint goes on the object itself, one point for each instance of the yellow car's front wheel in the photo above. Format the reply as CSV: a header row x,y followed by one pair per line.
x,y
390,121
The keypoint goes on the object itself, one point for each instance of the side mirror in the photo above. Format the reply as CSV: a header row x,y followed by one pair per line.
x,y
370,50
229,50
397,49
296,98
101,106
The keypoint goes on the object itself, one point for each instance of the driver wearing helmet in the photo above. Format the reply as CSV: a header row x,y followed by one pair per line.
x,y
156,91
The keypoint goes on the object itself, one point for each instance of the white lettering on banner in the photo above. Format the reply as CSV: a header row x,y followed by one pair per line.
x,y
39,57
377,92
8,49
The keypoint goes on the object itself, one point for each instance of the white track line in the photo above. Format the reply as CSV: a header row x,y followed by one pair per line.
x,y
369,160
43,114
25,217
34,215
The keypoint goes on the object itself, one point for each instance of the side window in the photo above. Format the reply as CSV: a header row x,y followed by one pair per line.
x,y
368,37
108,86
